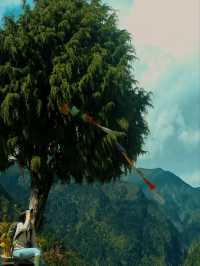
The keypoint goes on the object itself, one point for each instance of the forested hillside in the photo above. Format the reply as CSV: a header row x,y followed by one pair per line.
x,y
178,200
114,224
193,257
8,208
110,224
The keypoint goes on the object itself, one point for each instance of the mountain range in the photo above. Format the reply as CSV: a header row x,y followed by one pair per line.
x,y
179,201
121,223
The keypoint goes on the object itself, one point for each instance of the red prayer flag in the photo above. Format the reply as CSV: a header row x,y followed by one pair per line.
x,y
149,184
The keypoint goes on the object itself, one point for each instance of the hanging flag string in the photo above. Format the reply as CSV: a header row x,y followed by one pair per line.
x,y
132,165
74,111
146,181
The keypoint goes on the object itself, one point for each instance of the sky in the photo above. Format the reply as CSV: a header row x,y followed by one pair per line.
x,y
167,41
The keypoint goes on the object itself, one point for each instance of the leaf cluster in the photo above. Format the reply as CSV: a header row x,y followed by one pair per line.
x,y
68,51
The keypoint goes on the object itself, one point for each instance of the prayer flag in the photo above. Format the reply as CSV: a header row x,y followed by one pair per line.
x,y
64,109
74,111
120,148
105,129
146,181
89,119
149,184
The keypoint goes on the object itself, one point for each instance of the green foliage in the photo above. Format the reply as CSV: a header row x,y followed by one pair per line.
x,y
10,112
193,256
4,227
55,254
8,209
110,224
68,51
36,164
113,224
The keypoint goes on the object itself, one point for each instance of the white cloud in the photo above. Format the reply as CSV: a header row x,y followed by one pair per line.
x,y
172,25
167,39
193,179
153,64
164,125
191,137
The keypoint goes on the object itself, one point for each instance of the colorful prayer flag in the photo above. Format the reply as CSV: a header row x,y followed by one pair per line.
x,y
64,109
74,111
150,185
130,162
105,129
89,119
120,148
146,181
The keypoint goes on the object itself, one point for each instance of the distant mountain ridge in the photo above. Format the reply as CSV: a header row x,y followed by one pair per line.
x,y
111,224
181,202
178,200
114,219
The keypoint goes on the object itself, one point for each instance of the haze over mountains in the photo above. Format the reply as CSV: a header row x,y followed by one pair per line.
x,y
120,223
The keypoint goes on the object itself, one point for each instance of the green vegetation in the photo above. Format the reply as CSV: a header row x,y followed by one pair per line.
x,y
8,208
179,201
113,224
72,52
193,256
116,221
67,52
110,224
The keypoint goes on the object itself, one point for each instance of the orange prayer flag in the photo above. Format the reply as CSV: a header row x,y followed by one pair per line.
x,y
64,109
130,162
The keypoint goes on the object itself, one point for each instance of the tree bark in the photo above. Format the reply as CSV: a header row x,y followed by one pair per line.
x,y
38,198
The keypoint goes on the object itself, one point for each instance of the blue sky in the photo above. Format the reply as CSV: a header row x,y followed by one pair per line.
x,y
167,40
5,5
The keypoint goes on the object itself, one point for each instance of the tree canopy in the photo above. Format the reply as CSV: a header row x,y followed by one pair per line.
x,y
68,51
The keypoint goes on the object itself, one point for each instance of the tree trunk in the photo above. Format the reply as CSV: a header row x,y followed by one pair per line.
x,y
38,199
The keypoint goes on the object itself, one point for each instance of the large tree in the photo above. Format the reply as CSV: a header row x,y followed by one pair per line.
x,y
68,52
